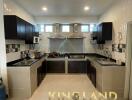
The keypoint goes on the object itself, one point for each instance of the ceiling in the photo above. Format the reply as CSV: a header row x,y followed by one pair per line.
x,y
65,7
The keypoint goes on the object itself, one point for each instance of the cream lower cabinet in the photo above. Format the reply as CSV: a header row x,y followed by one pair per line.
x,y
110,79
23,80
33,77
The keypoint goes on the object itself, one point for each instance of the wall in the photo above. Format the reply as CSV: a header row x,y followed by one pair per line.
x,y
12,8
87,47
66,45
120,14
63,19
3,68
16,55
44,44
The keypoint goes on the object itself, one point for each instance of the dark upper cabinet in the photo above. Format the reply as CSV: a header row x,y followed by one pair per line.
x,y
21,28
104,32
30,33
14,27
17,28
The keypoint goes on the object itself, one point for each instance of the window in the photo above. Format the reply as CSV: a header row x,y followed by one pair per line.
x,y
65,28
84,28
41,28
93,28
48,28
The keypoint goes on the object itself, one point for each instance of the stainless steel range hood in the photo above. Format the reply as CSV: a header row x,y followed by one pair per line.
x,y
66,36
66,42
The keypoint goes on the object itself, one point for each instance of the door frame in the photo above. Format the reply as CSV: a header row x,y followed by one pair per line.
x,y
128,77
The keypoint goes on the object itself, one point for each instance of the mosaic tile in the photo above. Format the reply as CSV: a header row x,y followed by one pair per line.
x,y
12,48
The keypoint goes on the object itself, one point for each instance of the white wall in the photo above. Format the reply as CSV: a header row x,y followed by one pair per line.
x,y
66,45
16,55
88,47
44,44
51,20
3,68
120,14
12,8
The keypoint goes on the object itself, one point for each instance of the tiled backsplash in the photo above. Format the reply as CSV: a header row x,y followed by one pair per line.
x,y
119,47
12,48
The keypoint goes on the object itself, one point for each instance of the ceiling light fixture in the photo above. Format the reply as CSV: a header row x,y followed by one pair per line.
x,y
86,8
44,9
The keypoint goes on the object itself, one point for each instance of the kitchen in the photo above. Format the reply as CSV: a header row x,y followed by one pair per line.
x,y
65,46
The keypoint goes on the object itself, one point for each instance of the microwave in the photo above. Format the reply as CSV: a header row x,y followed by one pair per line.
x,y
35,39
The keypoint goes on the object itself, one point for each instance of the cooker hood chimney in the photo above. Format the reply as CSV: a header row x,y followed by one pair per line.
x,y
66,36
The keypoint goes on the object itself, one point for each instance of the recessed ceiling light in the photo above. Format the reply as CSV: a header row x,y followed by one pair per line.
x,y
44,9
86,8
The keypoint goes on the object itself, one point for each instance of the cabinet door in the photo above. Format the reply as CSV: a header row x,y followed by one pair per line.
x,y
77,66
55,66
33,76
29,34
39,75
99,32
88,67
93,75
107,31
10,27
44,67
99,81
35,32
14,27
99,35
91,72
21,28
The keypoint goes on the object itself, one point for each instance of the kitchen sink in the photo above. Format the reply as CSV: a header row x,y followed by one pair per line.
x,y
106,62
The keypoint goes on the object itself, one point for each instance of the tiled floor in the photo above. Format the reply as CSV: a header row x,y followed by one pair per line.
x,y
66,84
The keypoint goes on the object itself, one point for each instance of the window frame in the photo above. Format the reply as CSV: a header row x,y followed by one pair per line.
x,y
40,28
61,28
65,25
88,28
94,25
48,25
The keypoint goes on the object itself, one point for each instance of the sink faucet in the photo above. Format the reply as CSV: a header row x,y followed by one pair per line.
x,y
107,53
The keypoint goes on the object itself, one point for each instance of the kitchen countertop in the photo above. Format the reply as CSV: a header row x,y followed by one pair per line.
x,y
93,60
55,59
14,63
66,58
